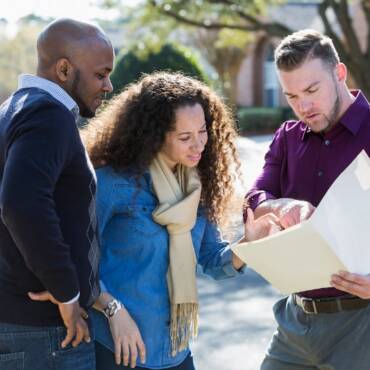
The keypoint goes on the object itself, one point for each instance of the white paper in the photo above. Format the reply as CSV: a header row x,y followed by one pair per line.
x,y
343,216
336,237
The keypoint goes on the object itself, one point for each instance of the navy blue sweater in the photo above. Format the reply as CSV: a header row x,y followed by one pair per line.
x,y
47,203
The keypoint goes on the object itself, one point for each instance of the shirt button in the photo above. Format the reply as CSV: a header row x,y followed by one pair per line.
x,y
327,142
320,173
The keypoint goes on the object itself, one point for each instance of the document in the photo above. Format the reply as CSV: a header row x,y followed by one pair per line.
x,y
336,237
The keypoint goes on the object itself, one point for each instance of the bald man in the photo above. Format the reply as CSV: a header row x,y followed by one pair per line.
x,y
48,242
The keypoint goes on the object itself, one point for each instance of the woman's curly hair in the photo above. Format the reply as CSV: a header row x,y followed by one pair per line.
x,y
131,129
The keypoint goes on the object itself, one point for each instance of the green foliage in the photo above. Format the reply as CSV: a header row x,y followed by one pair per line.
x,y
233,38
262,119
210,10
221,50
17,55
132,64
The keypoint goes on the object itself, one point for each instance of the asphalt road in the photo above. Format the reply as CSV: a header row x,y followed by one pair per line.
x,y
236,321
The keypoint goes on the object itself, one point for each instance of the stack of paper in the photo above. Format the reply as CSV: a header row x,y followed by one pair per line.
x,y
336,237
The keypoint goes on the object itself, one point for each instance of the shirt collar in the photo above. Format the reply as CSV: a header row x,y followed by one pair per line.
x,y
306,131
357,112
352,119
28,80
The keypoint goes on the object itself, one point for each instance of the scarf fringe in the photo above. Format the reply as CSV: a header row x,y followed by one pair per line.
x,y
184,325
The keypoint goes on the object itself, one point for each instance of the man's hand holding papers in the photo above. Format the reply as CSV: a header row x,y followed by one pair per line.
x,y
316,245
355,284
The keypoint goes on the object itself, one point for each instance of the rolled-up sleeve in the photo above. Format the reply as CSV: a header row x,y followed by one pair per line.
x,y
215,255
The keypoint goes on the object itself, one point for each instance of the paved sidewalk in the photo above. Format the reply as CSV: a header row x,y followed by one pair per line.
x,y
236,321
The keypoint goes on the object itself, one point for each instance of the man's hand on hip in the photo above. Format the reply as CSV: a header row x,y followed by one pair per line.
x,y
73,317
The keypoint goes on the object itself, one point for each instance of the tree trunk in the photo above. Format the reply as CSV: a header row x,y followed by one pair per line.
x,y
347,44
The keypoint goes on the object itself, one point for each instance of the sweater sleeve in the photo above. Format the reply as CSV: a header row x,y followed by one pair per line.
x,y
104,210
39,147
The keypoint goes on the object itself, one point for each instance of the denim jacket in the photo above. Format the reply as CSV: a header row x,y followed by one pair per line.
x,y
134,260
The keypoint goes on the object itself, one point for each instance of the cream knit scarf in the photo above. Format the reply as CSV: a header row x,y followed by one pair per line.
x,y
179,196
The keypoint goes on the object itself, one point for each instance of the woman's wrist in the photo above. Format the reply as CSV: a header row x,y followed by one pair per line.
x,y
103,301
111,309
237,262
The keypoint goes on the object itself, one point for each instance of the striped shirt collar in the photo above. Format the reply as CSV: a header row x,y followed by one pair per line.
x,y
28,80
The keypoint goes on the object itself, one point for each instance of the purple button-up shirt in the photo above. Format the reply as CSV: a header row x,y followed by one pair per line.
x,y
301,164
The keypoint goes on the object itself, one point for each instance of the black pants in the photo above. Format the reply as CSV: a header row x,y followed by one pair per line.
x,y
105,361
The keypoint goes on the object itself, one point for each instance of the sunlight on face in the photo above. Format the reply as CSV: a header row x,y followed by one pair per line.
x,y
312,91
185,144
92,78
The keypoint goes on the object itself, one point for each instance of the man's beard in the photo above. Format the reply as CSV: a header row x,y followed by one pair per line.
x,y
332,117
85,111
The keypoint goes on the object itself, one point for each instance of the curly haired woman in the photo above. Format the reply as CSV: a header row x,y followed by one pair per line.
x,y
166,164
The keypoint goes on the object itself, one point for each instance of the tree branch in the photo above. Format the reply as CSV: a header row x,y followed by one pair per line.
x,y
347,42
345,22
365,4
238,10
323,7
272,28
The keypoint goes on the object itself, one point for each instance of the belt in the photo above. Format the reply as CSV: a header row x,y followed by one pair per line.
x,y
329,304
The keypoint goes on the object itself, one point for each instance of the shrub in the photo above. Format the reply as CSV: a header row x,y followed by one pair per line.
x,y
132,64
261,119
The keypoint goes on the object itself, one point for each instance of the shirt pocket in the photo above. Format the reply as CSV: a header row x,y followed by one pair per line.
x,y
141,220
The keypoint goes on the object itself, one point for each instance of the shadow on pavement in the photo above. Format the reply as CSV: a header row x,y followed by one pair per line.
x,y
236,322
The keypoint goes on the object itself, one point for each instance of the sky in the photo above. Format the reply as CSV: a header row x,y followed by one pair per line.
x,y
12,10
84,10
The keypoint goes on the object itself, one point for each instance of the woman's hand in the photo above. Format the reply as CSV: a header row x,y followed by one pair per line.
x,y
261,227
127,339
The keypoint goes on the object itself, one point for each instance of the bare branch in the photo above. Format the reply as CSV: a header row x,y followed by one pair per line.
x,y
345,22
365,4
346,42
323,7
272,28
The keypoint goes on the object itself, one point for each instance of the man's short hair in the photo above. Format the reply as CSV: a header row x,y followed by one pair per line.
x,y
304,45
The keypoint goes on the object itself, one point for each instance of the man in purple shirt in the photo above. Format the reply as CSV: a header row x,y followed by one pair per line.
x,y
323,328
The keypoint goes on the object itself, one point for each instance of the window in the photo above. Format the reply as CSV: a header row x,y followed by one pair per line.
x,y
270,80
